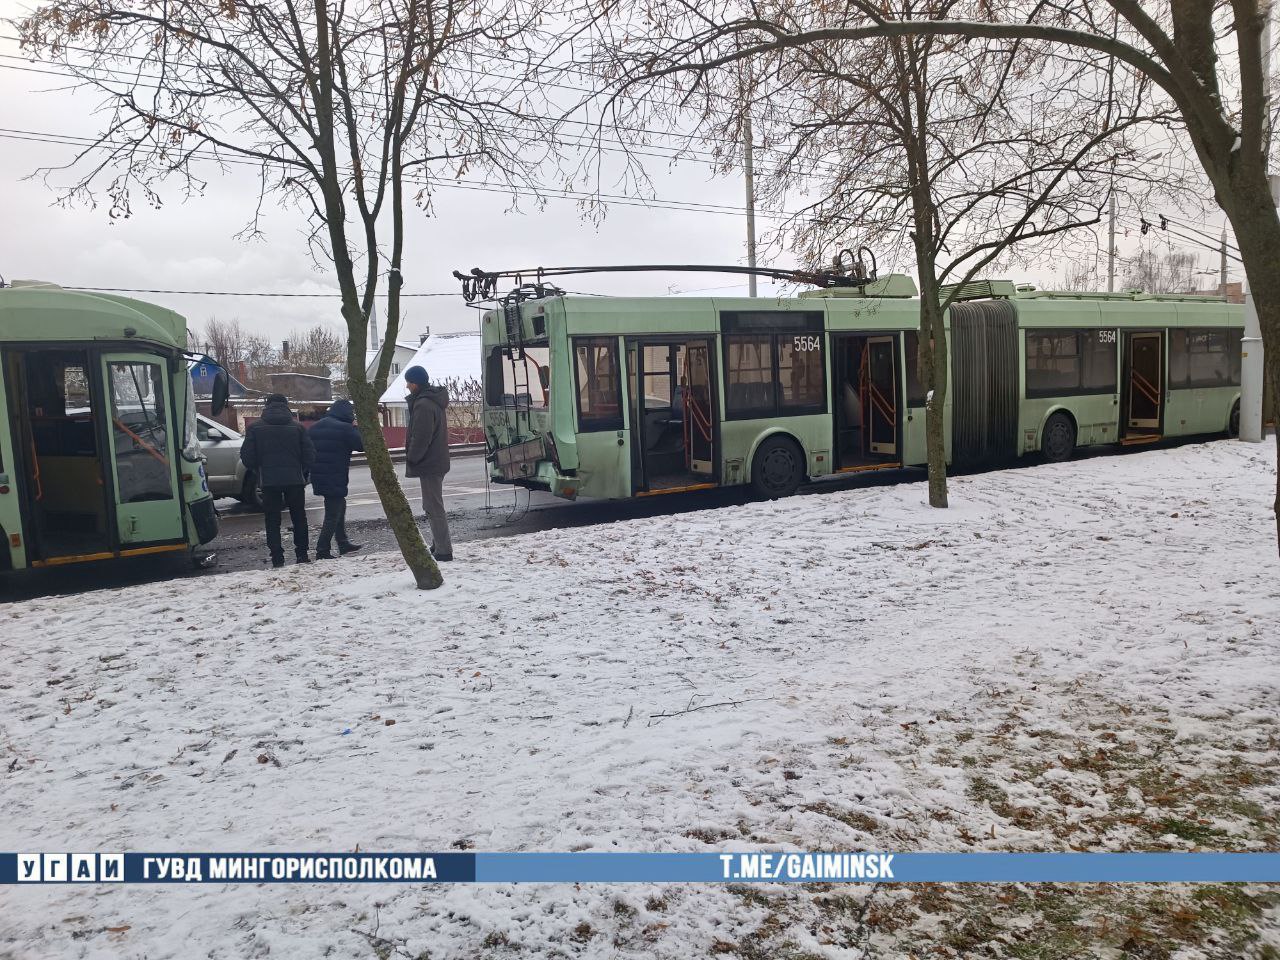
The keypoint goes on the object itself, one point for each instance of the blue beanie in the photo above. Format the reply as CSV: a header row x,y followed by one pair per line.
x,y
416,375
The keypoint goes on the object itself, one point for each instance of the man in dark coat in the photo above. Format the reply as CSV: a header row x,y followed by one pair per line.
x,y
335,438
426,453
278,449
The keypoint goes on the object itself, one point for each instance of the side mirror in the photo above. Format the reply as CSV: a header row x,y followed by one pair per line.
x,y
221,390
215,434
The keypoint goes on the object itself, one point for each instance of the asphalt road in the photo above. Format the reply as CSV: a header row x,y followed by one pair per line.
x,y
476,511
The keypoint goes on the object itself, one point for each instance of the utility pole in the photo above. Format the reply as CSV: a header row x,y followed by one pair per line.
x,y
1111,246
1222,266
751,200
1251,357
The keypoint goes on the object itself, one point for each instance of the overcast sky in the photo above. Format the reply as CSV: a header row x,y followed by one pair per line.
x,y
190,244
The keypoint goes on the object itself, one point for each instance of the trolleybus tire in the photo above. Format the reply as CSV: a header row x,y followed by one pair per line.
x,y
777,469
1233,421
1058,442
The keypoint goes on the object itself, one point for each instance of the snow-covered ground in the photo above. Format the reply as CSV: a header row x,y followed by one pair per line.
x,y
1075,656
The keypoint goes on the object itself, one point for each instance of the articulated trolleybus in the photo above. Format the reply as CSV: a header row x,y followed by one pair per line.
x,y
630,397
98,451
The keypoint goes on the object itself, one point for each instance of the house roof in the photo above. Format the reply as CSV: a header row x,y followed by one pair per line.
x,y
445,356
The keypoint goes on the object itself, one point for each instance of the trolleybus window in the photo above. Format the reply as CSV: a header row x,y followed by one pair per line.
x,y
1070,362
599,390
800,373
513,377
141,430
749,383
774,364
915,389
1204,358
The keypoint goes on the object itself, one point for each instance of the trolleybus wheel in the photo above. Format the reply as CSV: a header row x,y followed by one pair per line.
x,y
1059,440
1233,421
778,468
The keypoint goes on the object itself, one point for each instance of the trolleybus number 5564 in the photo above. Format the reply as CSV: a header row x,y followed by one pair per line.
x,y
806,344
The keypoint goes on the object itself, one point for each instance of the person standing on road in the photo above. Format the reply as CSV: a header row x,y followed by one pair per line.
x,y
279,450
335,438
426,453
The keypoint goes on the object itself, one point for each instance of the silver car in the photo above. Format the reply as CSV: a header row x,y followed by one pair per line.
x,y
227,476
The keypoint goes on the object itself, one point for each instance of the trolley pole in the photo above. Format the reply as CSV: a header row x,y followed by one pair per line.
x,y
1111,246
749,166
1251,356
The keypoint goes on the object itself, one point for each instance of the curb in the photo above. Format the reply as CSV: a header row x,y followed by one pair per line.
x,y
455,450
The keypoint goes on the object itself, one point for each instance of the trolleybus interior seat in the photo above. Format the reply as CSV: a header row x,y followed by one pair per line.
x,y
751,396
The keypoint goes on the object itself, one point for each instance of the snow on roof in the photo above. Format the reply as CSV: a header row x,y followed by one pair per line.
x,y
444,356
371,355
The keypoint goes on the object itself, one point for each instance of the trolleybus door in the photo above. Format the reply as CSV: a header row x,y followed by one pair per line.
x,y
879,387
699,414
1146,380
142,448
635,406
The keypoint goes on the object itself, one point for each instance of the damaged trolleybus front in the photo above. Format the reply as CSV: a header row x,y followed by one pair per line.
x,y
525,352
99,457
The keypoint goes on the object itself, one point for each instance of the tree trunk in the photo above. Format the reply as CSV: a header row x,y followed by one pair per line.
x,y
399,513
1256,222
933,348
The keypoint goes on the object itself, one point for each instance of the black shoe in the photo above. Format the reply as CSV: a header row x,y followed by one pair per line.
x,y
303,558
324,555
277,561
345,548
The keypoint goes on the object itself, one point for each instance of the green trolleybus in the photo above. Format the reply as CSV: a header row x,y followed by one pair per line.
x,y
630,397
98,450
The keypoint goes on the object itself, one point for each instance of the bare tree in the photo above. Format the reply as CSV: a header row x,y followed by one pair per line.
x,y
249,356
319,346
1080,276
342,109
1205,59
1170,272
958,157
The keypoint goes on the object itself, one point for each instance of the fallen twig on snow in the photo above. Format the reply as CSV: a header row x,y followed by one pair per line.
x,y
704,706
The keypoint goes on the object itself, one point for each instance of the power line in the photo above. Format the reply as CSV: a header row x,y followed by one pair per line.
x,y
583,140
706,157
537,192
1208,237
233,293
1145,226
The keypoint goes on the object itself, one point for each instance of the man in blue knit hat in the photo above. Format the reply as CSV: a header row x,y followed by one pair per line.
x,y
426,453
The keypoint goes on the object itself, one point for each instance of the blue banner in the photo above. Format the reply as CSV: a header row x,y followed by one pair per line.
x,y
755,867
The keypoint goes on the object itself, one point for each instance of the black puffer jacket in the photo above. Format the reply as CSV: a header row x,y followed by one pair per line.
x,y
277,448
335,438
426,447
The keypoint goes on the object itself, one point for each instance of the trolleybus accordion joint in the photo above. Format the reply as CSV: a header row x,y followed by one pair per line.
x,y
851,269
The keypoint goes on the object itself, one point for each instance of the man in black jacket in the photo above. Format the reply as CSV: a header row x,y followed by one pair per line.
x,y
426,453
279,450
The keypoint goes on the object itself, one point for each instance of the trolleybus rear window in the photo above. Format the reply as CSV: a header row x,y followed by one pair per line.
x,y
514,377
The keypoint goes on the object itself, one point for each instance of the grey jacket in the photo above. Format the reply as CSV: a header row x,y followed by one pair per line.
x,y
426,446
